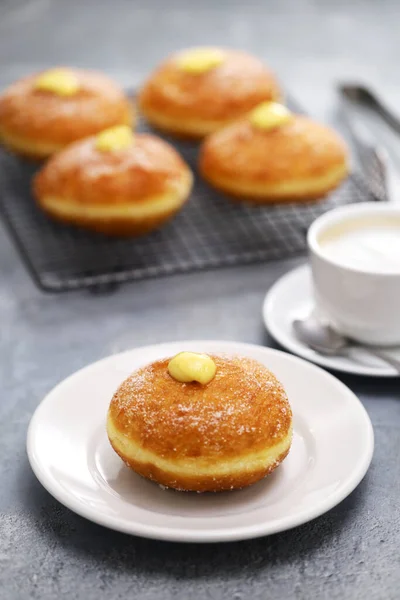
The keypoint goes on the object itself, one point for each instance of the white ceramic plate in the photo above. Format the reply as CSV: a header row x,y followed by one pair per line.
x,y
291,297
70,454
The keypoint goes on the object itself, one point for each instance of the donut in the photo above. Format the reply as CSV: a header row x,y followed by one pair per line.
x,y
195,92
273,155
224,425
115,183
42,113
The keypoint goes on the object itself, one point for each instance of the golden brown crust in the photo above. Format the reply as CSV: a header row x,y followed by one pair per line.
x,y
240,415
31,117
121,226
201,483
299,160
183,103
150,166
125,192
306,192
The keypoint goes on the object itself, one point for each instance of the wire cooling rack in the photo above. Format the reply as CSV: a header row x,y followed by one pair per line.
x,y
210,232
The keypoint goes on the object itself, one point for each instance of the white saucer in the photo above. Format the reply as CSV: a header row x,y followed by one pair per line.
x,y
291,297
70,454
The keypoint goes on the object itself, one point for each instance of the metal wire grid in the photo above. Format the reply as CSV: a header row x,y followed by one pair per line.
x,y
210,232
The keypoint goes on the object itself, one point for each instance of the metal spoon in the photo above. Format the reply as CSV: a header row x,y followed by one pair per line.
x,y
326,341
381,177
364,96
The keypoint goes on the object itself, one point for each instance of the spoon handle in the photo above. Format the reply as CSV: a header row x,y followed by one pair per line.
x,y
390,360
364,96
373,158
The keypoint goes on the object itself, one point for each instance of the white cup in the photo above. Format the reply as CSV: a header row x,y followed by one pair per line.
x,y
361,304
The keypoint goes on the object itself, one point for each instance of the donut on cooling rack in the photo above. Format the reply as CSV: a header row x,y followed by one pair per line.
x,y
200,90
42,113
116,183
273,155
201,423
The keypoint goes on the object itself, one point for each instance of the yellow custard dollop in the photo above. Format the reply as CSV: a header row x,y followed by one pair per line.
x,y
270,115
58,81
114,139
186,367
200,60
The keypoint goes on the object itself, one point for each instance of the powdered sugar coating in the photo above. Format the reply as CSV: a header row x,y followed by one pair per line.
x,y
299,149
244,408
225,92
136,174
39,115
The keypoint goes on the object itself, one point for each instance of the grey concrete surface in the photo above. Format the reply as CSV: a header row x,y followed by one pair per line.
x,y
47,552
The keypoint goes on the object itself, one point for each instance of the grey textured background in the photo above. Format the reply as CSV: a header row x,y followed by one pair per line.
x,y
46,551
